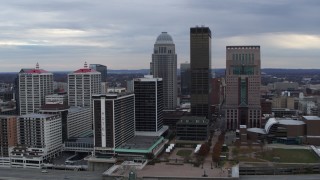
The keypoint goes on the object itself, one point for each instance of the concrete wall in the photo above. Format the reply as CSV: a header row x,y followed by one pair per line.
x,y
295,130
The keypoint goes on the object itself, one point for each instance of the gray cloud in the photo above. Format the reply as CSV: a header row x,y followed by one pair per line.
x,y
62,34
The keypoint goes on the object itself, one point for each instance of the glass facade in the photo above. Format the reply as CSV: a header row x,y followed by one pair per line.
x,y
200,65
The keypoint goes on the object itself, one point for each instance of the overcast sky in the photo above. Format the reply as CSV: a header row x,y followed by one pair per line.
x,y
63,34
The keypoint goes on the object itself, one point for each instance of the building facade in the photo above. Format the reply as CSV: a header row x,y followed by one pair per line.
x,y
164,65
34,85
148,104
114,120
185,77
100,68
61,98
41,131
8,134
76,121
193,128
82,84
312,128
79,121
243,80
200,65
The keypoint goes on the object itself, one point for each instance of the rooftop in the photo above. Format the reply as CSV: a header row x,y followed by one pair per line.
x,y
33,71
164,38
257,130
141,144
290,122
148,78
313,118
272,121
85,69
76,109
112,95
36,70
35,115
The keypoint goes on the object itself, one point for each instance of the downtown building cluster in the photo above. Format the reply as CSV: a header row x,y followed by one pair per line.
x,y
109,123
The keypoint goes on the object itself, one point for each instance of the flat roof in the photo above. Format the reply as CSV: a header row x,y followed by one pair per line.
x,y
257,130
35,115
290,122
309,118
272,121
140,144
77,108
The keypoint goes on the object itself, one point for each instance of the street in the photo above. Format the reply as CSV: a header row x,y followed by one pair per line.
x,y
283,177
36,174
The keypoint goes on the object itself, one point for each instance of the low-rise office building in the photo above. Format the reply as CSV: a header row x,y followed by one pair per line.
x,y
288,131
193,128
312,127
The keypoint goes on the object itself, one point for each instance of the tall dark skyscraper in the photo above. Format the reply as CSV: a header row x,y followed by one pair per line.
x,y
148,105
200,65
185,78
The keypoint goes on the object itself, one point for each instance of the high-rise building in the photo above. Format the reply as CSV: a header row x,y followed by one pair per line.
x,y
34,85
148,105
114,120
100,68
200,65
41,131
164,65
8,134
76,121
185,78
82,84
243,80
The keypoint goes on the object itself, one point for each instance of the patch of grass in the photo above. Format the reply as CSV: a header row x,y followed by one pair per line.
x,y
184,152
290,156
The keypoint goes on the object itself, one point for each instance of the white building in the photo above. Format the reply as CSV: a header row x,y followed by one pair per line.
x,y
57,99
39,138
40,131
164,65
34,85
82,84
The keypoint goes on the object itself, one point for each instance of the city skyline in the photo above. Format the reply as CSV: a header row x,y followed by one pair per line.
x,y
59,34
